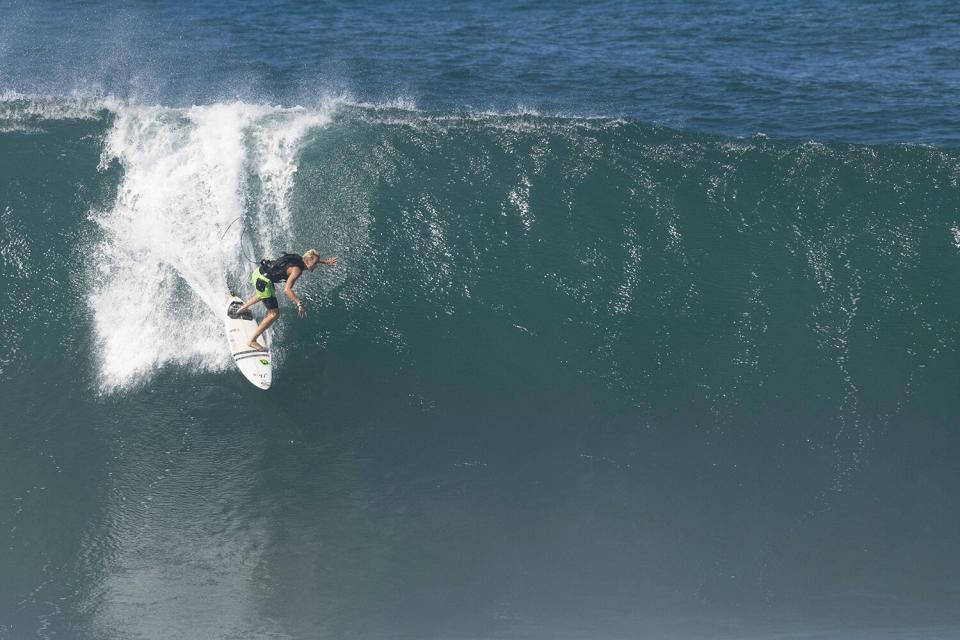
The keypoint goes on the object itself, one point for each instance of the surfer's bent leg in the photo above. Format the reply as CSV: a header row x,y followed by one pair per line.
x,y
246,305
273,312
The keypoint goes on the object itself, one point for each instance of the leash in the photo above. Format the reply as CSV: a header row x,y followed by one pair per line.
x,y
243,230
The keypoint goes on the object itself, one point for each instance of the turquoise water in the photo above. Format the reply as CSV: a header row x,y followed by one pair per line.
x,y
608,353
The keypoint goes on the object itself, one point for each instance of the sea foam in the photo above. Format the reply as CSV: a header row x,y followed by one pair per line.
x,y
192,179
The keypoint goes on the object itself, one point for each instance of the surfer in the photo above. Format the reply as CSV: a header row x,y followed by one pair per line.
x,y
287,267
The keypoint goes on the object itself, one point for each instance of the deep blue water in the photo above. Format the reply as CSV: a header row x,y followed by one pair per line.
x,y
854,71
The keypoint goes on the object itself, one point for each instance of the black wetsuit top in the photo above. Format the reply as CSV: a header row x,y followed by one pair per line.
x,y
276,270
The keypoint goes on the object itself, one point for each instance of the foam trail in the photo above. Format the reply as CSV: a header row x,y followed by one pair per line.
x,y
187,175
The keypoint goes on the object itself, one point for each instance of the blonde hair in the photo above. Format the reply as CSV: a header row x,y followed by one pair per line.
x,y
311,253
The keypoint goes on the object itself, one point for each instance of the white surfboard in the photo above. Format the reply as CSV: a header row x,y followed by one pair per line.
x,y
254,365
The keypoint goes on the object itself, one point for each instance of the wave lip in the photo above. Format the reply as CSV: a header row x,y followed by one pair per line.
x,y
28,112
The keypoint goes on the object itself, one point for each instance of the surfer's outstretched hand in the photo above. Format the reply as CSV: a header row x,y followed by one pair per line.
x,y
301,310
330,262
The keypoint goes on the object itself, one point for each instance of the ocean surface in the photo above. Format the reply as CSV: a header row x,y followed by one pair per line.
x,y
645,323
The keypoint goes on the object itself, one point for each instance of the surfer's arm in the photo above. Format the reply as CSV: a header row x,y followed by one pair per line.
x,y
292,276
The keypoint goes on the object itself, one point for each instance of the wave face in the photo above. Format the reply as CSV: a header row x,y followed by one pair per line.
x,y
570,373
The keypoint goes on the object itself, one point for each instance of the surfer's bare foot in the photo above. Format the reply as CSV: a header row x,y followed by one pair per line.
x,y
253,344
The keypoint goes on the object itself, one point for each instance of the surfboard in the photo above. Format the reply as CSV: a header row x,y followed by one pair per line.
x,y
254,365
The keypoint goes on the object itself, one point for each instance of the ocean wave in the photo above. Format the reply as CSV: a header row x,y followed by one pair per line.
x,y
614,244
